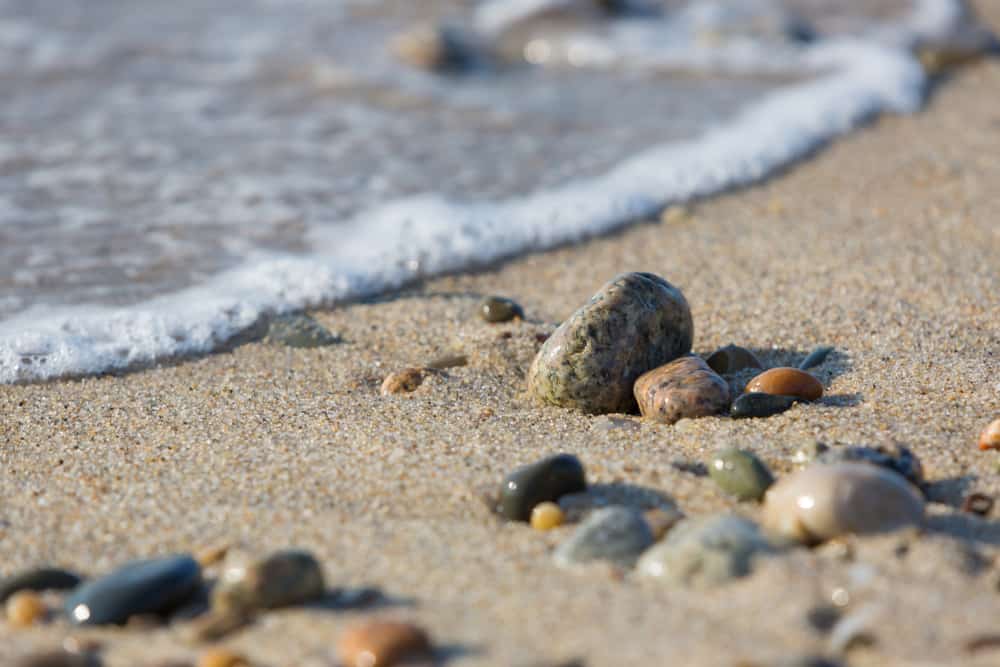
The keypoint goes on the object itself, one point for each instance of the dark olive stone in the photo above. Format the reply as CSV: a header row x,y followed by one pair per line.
x,y
756,404
40,579
732,359
545,480
893,456
740,473
816,357
498,309
141,587
300,330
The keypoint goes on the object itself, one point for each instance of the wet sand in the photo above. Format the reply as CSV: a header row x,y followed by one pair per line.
x,y
884,245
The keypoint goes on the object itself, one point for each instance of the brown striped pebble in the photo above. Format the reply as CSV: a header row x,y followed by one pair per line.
x,y
990,437
787,382
382,643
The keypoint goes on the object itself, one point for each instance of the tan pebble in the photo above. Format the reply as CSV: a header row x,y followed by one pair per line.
x,y
546,516
684,388
990,437
382,643
25,608
221,657
403,382
211,555
787,382
825,501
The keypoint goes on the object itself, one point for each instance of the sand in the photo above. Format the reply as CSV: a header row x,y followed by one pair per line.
x,y
884,245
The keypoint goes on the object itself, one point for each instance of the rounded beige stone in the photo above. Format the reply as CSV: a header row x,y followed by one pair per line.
x,y
828,500
990,437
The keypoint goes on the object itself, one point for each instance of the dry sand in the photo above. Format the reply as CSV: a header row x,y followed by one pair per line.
x,y
885,245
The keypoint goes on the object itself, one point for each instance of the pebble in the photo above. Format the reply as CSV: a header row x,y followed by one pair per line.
x,y
990,437
684,388
299,330
662,520
758,404
382,644
282,579
787,382
59,659
740,473
430,47
892,456
732,359
221,657
495,309
140,587
706,551
211,555
25,608
816,357
636,322
543,481
546,516
616,534
978,503
829,500
402,382
39,579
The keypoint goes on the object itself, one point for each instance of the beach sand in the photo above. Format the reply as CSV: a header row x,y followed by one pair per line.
x,y
884,245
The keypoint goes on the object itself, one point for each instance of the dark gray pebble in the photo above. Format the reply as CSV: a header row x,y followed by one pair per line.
x,y
756,404
538,482
39,579
141,587
496,309
732,359
816,357
617,534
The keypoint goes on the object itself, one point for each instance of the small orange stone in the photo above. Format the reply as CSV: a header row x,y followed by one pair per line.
x,y
990,437
382,643
787,382
403,382
25,608
546,516
221,657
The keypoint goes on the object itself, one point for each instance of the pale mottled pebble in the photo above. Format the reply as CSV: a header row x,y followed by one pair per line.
x,y
282,579
402,382
828,500
616,534
682,389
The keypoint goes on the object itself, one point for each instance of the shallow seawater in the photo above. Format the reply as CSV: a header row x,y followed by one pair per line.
x,y
149,147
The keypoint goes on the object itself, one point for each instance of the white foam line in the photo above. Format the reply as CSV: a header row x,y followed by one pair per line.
x,y
392,245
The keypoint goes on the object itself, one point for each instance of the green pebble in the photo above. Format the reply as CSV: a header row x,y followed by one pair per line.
x,y
496,309
740,473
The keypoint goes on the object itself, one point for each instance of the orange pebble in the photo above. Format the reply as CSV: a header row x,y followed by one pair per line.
x,y
382,643
787,382
990,437
221,657
25,608
546,516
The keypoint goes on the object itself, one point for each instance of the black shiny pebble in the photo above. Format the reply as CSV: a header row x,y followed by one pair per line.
x,y
39,579
756,404
816,357
545,480
141,587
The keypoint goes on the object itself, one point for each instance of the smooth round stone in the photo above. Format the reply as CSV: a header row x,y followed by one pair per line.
x,y
25,608
616,534
402,382
705,551
495,309
787,382
547,516
39,579
732,359
740,473
282,579
221,657
760,405
543,481
381,643
683,389
635,323
829,500
816,357
990,437
299,330
141,587
894,457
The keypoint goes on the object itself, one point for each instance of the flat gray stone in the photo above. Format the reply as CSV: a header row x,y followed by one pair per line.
x,y
616,534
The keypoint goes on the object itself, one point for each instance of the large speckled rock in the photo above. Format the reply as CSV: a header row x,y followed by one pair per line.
x,y
635,323
829,500
684,388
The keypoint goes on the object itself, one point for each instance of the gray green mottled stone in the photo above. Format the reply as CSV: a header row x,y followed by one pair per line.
x,y
740,473
282,579
635,323
299,330
684,388
893,456
539,482
38,579
495,309
732,359
816,357
616,534
759,404
706,551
